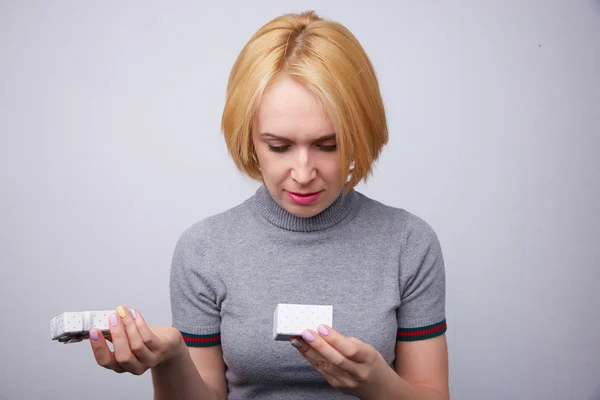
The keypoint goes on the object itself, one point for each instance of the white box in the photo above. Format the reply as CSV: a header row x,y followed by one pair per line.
x,y
70,327
290,320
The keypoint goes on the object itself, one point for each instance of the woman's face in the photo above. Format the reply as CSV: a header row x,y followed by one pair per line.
x,y
296,148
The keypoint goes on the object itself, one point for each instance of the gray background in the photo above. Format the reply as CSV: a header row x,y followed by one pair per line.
x,y
110,147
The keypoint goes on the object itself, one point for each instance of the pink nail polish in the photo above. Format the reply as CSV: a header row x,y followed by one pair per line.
x,y
306,335
114,320
94,335
322,330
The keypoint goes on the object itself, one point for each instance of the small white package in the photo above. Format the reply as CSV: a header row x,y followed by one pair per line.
x,y
290,320
71,327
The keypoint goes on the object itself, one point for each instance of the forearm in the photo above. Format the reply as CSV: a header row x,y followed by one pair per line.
x,y
399,389
179,379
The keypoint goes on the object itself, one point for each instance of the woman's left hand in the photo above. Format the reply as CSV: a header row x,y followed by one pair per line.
x,y
348,364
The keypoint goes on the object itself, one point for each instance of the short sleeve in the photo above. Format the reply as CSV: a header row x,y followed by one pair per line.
x,y
194,290
422,281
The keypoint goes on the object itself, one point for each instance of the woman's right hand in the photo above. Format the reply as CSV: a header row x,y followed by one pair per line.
x,y
137,347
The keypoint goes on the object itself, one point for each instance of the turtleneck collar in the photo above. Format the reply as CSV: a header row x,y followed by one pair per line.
x,y
278,216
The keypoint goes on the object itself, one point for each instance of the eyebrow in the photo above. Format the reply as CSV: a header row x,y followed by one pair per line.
x,y
272,136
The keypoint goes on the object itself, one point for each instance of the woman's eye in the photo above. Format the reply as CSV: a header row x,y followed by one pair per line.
x,y
278,149
331,147
283,148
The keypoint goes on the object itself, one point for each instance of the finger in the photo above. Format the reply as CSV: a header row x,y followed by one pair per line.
x,y
136,342
332,354
326,350
326,355
349,347
123,353
104,357
150,339
331,372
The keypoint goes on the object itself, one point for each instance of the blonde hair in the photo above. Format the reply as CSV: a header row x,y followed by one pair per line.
x,y
325,57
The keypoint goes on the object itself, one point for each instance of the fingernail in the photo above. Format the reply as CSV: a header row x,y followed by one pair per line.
x,y
94,335
121,311
322,330
296,343
114,321
133,314
306,335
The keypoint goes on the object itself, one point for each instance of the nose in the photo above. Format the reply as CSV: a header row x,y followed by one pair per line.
x,y
303,171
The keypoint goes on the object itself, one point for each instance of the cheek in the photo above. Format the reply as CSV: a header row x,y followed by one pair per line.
x,y
331,167
271,166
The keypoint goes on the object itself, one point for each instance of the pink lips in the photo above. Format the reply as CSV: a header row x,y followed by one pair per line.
x,y
303,198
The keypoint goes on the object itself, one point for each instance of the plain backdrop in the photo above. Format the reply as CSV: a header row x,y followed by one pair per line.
x,y
110,147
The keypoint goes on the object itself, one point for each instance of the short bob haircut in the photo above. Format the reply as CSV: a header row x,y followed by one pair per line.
x,y
328,59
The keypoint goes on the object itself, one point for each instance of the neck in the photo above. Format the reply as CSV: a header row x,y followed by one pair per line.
x,y
335,213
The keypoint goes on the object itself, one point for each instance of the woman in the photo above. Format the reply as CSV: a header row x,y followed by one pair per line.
x,y
303,115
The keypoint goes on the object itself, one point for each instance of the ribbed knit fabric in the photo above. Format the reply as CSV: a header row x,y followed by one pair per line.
x,y
280,218
380,267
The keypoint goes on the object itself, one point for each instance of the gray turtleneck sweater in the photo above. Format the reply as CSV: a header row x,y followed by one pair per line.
x,y
381,268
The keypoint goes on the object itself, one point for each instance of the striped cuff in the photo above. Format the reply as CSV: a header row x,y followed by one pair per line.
x,y
201,340
424,332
